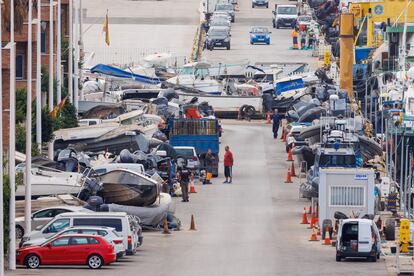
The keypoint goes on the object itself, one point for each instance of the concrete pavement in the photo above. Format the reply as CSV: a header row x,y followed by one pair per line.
x,y
249,228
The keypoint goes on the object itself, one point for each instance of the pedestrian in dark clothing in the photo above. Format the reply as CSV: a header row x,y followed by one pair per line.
x,y
184,176
209,161
276,119
228,165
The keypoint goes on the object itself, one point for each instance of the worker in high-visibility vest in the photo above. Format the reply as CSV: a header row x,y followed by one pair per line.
x,y
295,39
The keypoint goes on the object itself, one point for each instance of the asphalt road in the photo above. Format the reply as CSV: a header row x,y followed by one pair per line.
x,y
280,40
248,228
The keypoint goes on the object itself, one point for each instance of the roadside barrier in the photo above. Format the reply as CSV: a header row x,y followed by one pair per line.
x,y
192,188
292,170
192,225
327,240
313,237
290,157
304,217
288,177
165,227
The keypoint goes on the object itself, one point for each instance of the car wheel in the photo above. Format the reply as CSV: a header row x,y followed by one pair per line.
x,y
32,261
228,46
251,42
267,6
252,6
95,261
338,258
19,232
268,42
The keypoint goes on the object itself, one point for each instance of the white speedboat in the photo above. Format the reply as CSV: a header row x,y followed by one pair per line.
x,y
195,77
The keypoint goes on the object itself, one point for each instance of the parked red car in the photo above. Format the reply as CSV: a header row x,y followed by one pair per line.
x,y
76,249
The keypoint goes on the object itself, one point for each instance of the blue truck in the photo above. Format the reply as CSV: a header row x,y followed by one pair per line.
x,y
202,134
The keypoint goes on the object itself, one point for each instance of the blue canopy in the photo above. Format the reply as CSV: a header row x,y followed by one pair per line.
x,y
116,72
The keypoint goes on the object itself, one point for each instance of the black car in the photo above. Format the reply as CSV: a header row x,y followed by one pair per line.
x,y
218,37
263,3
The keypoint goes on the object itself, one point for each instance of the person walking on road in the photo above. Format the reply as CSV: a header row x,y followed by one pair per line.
x,y
228,165
184,176
276,119
209,161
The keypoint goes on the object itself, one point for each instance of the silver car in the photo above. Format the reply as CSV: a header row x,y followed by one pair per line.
x,y
43,216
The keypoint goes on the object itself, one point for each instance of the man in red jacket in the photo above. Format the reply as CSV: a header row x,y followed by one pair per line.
x,y
228,164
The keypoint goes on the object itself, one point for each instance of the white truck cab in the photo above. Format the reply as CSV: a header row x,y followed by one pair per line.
x,y
285,16
358,238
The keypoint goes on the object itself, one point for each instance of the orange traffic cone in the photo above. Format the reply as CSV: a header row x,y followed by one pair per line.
x,y
304,217
319,231
165,227
312,221
292,170
268,118
288,177
192,188
310,210
313,237
290,157
192,225
284,134
327,240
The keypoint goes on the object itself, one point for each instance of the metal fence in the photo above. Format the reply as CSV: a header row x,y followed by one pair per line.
x,y
131,56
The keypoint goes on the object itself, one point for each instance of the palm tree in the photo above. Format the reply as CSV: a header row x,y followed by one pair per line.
x,y
20,9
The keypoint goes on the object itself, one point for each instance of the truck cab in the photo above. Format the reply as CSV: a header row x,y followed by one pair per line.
x,y
285,16
358,238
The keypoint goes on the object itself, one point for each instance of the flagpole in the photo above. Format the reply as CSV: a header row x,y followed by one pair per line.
x,y
28,174
59,53
1,151
70,62
39,78
12,143
76,67
51,34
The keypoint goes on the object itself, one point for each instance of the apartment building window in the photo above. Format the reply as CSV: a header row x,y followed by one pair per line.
x,y
19,66
43,38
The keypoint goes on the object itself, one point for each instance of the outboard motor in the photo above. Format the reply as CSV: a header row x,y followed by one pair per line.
x,y
125,156
96,204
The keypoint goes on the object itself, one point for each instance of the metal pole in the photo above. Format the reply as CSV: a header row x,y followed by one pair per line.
x,y
385,137
39,78
28,174
406,184
376,115
59,53
80,44
395,154
51,33
366,98
12,144
70,62
402,188
76,67
1,152
51,41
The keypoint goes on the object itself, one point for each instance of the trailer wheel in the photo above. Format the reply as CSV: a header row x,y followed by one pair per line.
x,y
389,229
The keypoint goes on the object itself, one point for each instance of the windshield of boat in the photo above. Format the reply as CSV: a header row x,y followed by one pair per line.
x,y
260,30
305,18
337,160
185,153
224,7
287,10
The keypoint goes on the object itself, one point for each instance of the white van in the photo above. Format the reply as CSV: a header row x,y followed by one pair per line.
x,y
117,220
358,238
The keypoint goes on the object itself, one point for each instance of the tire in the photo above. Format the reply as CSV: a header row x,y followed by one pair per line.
x,y
32,261
267,5
251,42
19,232
228,46
95,261
252,6
338,258
389,229
268,42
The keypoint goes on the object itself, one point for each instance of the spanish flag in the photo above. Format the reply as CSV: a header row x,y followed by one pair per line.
x,y
55,110
106,28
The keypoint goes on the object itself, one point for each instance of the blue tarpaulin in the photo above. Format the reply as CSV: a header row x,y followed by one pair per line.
x,y
289,84
116,72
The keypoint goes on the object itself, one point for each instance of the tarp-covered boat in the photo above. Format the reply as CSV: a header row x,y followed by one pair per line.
x,y
126,187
